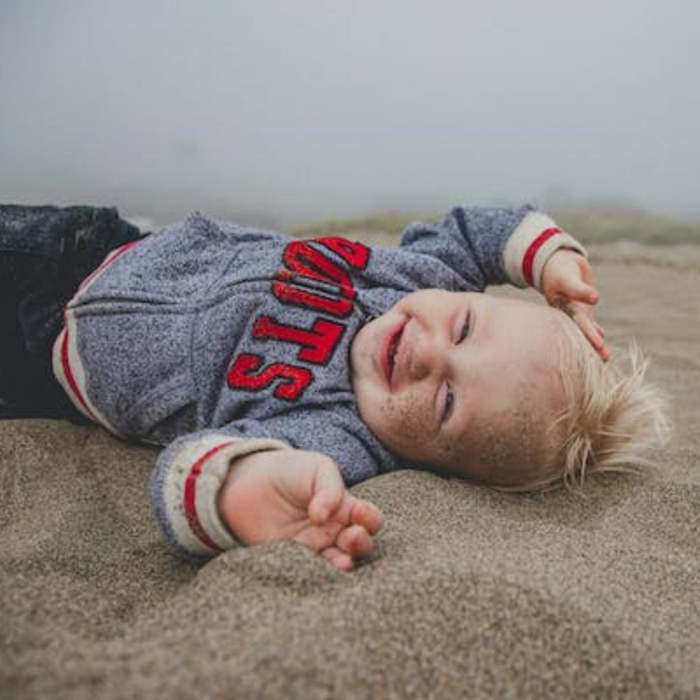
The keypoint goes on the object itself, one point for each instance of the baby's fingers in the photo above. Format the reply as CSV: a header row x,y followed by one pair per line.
x,y
352,543
583,289
571,280
593,332
367,515
574,289
355,541
341,560
328,492
580,291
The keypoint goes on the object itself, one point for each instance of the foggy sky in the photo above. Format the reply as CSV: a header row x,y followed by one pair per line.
x,y
303,109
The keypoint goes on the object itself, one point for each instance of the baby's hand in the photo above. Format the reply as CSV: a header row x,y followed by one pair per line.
x,y
567,282
298,495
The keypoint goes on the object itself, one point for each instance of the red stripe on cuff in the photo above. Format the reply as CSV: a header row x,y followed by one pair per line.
x,y
69,375
530,254
190,497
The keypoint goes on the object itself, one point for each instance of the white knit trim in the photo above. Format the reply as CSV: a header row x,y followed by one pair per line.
x,y
525,234
70,365
206,462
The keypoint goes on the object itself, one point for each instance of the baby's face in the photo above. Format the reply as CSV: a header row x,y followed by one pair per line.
x,y
439,366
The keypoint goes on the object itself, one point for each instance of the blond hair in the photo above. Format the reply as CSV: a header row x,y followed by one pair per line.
x,y
604,417
613,415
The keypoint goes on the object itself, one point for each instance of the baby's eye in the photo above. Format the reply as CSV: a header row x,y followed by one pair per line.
x,y
449,402
465,331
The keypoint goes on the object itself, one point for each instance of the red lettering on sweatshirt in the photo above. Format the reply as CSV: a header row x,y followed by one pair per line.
x,y
354,253
306,261
242,375
302,297
317,344
301,259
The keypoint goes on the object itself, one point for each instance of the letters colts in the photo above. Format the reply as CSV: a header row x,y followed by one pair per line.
x,y
293,285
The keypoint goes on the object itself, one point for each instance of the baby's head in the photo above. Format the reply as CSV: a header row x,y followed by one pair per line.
x,y
500,391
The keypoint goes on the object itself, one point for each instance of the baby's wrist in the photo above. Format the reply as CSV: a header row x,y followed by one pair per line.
x,y
239,496
226,498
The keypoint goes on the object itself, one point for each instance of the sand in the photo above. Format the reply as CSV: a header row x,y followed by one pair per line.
x,y
470,593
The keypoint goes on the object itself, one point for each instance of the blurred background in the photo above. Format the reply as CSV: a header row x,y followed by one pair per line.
x,y
284,113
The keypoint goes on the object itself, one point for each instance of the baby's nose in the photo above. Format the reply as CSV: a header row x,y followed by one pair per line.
x,y
426,356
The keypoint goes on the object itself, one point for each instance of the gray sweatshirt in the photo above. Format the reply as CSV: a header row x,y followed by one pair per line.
x,y
215,340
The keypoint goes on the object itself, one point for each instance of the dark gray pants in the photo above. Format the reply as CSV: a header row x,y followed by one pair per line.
x,y
45,253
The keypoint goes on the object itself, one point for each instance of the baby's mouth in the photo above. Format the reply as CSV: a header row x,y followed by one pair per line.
x,y
390,348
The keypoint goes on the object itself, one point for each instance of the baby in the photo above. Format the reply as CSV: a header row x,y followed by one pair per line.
x,y
278,371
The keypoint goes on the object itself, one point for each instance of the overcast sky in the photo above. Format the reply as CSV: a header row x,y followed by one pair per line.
x,y
303,109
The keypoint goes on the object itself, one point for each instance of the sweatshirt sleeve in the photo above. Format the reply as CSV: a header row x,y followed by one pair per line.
x,y
190,472
185,484
491,245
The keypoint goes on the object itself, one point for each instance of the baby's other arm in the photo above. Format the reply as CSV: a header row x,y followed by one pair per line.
x,y
490,245
297,495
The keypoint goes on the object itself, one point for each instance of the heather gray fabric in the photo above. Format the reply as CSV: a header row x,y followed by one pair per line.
x,y
470,593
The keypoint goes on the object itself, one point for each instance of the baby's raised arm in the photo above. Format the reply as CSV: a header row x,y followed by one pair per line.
x,y
297,495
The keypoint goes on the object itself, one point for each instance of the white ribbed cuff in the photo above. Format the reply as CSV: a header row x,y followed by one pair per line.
x,y
191,486
529,247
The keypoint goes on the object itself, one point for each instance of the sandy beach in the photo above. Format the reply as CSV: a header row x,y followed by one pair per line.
x,y
469,593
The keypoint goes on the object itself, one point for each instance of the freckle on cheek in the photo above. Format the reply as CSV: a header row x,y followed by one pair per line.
x,y
407,417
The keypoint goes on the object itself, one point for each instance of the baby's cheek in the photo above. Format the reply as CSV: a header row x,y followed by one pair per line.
x,y
407,419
